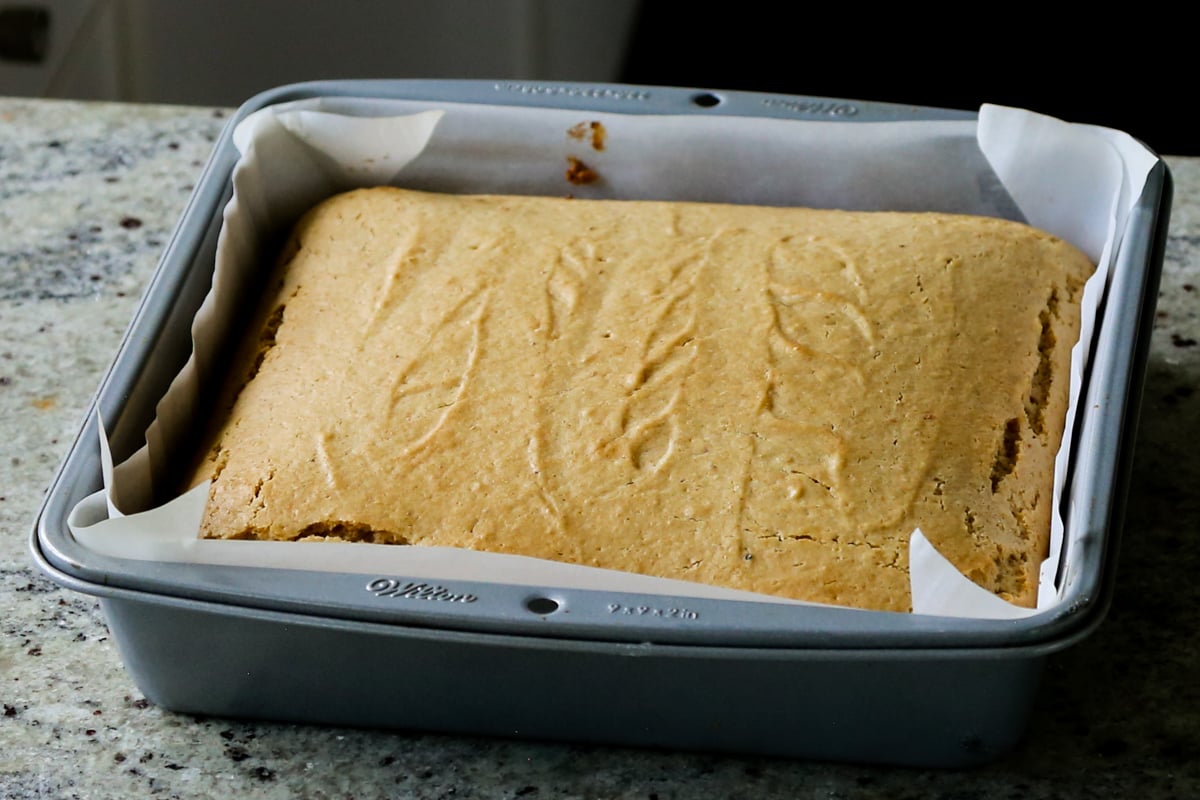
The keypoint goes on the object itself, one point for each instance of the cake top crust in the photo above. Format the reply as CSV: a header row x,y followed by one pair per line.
x,y
768,399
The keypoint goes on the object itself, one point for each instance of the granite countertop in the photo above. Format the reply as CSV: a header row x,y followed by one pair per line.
x,y
88,196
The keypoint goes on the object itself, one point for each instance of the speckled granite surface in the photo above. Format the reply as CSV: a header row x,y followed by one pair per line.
x,y
88,195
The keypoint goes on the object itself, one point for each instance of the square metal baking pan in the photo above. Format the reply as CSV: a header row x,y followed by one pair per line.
x,y
568,664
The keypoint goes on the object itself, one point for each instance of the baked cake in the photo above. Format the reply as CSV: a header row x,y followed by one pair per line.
x,y
767,399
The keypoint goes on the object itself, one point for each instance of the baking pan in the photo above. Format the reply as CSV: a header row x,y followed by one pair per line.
x,y
562,663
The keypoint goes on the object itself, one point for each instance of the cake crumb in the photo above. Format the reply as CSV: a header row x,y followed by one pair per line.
x,y
580,173
593,131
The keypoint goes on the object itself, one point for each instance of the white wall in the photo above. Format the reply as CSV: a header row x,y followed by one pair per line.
x,y
221,52
80,59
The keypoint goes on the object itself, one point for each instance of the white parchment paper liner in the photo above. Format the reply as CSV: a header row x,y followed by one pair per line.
x,y
1078,182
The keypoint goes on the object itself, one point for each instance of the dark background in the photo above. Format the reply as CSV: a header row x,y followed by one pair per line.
x,y
1131,70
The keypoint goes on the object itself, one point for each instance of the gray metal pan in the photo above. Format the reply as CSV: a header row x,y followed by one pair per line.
x,y
562,663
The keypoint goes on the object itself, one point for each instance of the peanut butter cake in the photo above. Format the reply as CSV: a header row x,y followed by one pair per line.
x,y
768,399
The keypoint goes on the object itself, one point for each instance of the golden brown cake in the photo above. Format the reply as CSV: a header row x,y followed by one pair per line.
x,y
767,399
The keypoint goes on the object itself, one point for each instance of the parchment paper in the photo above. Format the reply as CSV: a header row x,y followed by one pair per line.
x,y
1078,182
